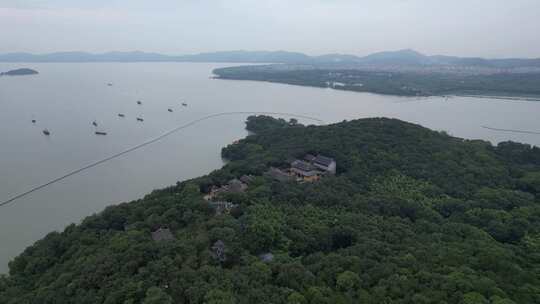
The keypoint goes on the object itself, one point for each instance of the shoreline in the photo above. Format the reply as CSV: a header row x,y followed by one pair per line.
x,y
515,98
483,96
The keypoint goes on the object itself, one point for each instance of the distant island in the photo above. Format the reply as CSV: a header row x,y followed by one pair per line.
x,y
19,72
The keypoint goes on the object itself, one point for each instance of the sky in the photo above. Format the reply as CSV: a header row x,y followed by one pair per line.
x,y
483,28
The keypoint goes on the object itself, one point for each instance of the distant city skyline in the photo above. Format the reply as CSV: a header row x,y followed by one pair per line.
x,y
474,28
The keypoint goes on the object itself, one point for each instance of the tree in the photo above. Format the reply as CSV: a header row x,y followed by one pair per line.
x,y
264,227
155,295
217,296
347,281
531,181
474,298
296,298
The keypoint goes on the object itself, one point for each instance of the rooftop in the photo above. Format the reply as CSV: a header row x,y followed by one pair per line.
x,y
162,234
236,185
218,251
323,160
302,165
222,207
279,175
309,157
246,179
266,257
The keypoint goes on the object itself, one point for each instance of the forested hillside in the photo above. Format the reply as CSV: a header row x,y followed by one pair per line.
x,y
412,216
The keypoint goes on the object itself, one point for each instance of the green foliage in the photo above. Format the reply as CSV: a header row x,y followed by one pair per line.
x,y
347,281
264,226
155,295
265,123
474,298
412,216
296,298
216,296
393,83
531,181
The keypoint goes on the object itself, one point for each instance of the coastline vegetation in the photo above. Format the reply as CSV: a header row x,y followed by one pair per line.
x,y
402,83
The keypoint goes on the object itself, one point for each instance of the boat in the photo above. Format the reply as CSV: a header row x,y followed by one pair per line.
x,y
139,102
109,84
100,133
139,119
46,132
184,104
33,121
170,110
94,123
121,115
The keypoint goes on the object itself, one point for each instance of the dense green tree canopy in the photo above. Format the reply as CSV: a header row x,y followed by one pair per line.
x,y
412,216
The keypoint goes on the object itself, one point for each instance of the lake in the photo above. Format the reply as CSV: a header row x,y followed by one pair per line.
x,y
66,98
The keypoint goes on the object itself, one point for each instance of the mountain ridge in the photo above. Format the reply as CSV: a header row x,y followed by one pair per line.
x,y
404,57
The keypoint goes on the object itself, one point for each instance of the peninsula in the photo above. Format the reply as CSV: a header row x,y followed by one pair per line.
x,y
401,82
365,211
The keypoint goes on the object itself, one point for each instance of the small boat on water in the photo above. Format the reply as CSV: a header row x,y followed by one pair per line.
x,y
121,115
184,104
33,121
46,132
139,102
94,123
170,110
139,119
101,133
109,84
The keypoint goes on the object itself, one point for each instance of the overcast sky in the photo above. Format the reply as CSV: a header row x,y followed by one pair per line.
x,y
487,28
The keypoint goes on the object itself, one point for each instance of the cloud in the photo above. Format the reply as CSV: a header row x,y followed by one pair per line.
x,y
495,28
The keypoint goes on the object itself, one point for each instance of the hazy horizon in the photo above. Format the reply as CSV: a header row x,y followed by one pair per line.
x,y
246,50
494,29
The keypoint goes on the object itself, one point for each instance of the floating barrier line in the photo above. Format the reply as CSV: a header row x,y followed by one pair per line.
x,y
146,143
511,130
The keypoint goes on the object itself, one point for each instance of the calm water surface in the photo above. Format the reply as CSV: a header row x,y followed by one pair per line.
x,y
66,98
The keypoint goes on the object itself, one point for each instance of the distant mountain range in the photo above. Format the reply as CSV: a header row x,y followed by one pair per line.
x,y
409,58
